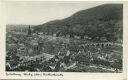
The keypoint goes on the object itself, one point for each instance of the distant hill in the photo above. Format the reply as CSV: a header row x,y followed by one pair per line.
x,y
100,21
17,28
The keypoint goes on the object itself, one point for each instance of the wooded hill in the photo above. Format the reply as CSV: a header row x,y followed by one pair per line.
x,y
97,22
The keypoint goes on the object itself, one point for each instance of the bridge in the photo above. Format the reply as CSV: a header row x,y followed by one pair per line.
x,y
101,44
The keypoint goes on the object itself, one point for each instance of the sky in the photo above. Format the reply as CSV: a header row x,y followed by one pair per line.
x,y
35,13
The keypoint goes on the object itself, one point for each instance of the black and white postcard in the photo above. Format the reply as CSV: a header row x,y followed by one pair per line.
x,y
66,40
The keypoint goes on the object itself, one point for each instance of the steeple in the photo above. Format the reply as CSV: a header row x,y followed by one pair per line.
x,y
29,30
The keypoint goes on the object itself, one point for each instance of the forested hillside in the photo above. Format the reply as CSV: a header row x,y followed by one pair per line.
x,y
101,21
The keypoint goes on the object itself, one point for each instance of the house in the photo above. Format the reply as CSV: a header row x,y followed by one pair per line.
x,y
54,34
77,37
103,39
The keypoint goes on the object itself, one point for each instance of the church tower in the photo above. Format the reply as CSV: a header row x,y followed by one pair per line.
x,y
29,30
